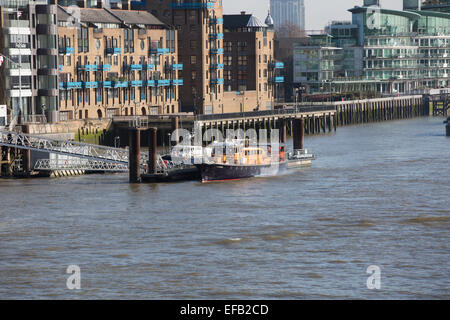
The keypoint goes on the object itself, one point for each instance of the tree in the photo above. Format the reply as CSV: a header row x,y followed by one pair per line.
x,y
289,30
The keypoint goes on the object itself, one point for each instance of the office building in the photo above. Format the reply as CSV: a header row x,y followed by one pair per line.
x,y
288,12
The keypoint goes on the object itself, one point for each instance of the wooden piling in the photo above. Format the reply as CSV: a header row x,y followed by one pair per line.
x,y
298,129
134,155
152,151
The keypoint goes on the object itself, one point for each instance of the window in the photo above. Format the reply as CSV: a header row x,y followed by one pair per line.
x,y
193,59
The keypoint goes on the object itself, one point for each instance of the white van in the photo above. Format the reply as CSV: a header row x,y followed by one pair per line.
x,y
3,117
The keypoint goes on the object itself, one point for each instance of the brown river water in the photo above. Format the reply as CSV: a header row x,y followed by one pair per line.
x,y
378,194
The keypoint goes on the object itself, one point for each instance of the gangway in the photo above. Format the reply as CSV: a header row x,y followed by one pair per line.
x,y
94,154
79,164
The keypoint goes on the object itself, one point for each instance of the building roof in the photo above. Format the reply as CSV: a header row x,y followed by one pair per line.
x,y
269,20
406,14
234,21
94,15
136,17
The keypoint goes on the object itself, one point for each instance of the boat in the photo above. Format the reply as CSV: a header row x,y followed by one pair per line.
x,y
300,158
240,162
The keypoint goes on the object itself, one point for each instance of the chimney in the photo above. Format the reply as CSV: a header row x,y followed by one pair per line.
x,y
126,5
243,13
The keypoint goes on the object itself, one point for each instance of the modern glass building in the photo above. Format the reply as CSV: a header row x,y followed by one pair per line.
x,y
288,11
318,63
394,51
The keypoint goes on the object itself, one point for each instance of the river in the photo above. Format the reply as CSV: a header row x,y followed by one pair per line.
x,y
378,195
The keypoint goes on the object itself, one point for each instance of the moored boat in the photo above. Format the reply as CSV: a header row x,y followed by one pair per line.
x,y
300,158
242,162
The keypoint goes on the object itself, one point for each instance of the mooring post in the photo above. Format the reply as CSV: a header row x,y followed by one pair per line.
x,y
447,129
26,154
299,133
283,131
152,151
134,155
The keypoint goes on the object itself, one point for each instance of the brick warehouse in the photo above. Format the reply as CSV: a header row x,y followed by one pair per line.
x,y
135,58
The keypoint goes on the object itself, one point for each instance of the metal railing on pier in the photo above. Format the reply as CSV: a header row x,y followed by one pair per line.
x,y
79,164
290,109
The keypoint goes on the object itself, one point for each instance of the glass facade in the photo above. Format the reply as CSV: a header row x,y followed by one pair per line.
x,y
399,51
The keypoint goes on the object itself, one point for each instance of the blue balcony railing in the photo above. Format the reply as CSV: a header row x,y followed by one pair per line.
x,y
218,66
60,67
216,36
88,67
120,84
136,83
195,5
148,67
177,66
105,67
217,81
177,82
133,67
159,50
163,83
149,83
73,85
107,84
278,79
90,85
277,65
216,21
66,50
217,51
113,50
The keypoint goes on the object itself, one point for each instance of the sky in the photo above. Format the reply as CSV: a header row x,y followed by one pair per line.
x,y
318,12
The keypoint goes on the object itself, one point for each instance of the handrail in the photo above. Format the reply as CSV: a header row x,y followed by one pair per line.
x,y
264,113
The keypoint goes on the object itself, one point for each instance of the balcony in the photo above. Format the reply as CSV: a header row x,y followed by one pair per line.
x,y
277,65
88,67
216,21
60,67
217,51
159,50
277,79
219,66
177,82
149,83
148,67
216,36
134,67
163,83
195,5
136,83
177,67
113,51
120,84
66,50
217,81
91,85
73,85
105,67
107,84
